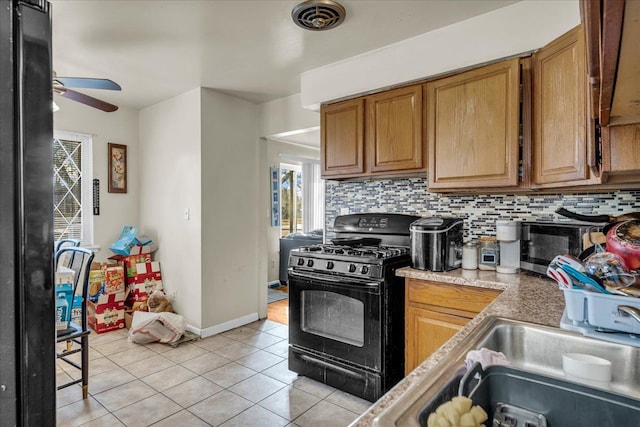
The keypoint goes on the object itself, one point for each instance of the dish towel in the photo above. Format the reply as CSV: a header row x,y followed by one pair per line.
x,y
486,358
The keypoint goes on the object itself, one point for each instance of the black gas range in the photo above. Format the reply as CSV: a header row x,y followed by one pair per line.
x,y
351,260
346,305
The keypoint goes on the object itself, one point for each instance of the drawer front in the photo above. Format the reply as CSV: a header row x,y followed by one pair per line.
x,y
459,297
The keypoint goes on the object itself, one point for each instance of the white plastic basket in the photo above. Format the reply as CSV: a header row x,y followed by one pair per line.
x,y
601,311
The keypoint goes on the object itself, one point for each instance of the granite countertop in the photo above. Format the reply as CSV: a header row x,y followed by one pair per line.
x,y
524,297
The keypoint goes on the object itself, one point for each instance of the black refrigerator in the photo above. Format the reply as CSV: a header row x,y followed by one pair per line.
x,y
27,308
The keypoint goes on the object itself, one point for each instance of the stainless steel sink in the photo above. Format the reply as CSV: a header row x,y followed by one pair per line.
x,y
527,346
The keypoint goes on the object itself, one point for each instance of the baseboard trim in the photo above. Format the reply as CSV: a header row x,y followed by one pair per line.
x,y
223,327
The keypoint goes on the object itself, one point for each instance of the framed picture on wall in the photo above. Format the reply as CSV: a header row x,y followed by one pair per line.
x,y
117,168
275,196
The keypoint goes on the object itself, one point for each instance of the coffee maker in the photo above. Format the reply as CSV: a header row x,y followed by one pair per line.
x,y
508,236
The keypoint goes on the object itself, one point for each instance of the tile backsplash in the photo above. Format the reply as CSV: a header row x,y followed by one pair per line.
x,y
480,212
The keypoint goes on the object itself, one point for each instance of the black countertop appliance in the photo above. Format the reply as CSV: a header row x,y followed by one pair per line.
x,y
436,243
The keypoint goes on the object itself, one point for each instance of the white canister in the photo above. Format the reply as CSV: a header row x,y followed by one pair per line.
x,y
507,231
470,256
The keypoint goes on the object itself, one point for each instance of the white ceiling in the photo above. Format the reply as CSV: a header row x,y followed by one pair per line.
x,y
251,49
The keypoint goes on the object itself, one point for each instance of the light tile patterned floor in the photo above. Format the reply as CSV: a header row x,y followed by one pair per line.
x,y
238,378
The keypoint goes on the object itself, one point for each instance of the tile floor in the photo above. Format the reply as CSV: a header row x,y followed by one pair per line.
x,y
237,378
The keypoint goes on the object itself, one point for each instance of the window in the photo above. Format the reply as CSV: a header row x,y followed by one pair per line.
x,y
302,208
72,193
291,198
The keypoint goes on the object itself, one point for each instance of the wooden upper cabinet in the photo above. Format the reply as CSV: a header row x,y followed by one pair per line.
x,y
394,130
612,34
560,111
473,128
342,138
621,154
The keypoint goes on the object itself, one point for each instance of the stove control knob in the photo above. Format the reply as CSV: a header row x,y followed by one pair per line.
x,y
300,261
364,269
352,268
310,263
329,265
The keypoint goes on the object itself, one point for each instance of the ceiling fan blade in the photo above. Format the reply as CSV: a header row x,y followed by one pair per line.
x,y
85,99
88,83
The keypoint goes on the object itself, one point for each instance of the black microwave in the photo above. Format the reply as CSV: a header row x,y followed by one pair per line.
x,y
542,241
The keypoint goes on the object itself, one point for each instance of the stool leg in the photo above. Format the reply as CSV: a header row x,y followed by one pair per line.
x,y
85,366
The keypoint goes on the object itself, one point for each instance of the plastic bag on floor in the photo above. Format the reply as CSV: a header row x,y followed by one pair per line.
x,y
161,327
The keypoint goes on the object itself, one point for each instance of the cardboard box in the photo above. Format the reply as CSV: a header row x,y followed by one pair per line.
x,y
106,313
113,279
148,248
115,322
64,298
129,262
76,310
105,278
65,275
128,239
64,280
96,281
148,279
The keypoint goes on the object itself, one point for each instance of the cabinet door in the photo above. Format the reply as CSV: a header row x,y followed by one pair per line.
x,y
426,331
342,138
394,130
473,128
621,154
559,111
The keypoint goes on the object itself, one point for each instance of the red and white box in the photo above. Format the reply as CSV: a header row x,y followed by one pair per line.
x,y
129,262
107,313
147,280
143,250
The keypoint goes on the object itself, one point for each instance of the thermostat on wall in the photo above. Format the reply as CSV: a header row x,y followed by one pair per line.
x,y
96,196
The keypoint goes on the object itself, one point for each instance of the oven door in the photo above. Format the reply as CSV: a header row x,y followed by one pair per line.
x,y
336,317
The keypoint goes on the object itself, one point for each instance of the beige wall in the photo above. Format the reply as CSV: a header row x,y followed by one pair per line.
x,y
120,127
170,182
286,115
231,254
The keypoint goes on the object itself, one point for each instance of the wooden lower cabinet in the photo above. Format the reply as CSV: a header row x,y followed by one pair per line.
x,y
434,312
426,331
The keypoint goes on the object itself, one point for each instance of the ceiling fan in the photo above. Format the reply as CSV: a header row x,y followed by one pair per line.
x,y
62,85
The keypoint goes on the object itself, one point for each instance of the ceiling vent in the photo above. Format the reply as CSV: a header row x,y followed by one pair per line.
x,y
318,15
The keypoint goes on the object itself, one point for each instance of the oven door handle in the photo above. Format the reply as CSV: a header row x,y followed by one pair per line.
x,y
327,365
336,280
